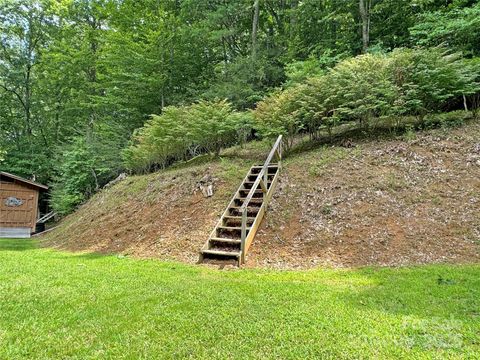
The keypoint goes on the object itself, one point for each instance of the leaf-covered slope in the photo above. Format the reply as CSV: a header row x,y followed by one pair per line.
x,y
161,215
408,200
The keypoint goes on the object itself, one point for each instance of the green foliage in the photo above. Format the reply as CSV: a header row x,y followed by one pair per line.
x,y
360,88
71,69
277,115
446,120
368,88
243,123
243,82
210,125
180,133
426,80
299,71
85,165
77,169
458,27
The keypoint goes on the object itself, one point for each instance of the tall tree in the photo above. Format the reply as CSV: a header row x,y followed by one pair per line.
x,y
365,9
256,11
25,28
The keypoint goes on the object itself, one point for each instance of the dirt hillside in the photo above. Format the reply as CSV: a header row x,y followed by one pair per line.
x,y
406,200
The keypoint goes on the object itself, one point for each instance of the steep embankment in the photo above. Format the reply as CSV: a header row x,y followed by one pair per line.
x,y
386,202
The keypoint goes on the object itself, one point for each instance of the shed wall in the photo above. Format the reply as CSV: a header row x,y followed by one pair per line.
x,y
23,215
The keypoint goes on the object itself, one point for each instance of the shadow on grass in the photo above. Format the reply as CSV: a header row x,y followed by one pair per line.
x,y
18,244
33,244
93,255
437,291
87,255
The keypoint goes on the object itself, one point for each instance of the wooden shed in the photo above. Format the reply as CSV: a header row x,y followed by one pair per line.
x,y
18,205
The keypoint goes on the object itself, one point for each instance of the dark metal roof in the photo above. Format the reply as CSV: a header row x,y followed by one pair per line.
x,y
25,181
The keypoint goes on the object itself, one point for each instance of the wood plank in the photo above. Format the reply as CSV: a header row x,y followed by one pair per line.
x,y
225,240
239,217
221,253
231,227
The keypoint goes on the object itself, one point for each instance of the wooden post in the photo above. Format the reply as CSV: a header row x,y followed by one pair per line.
x,y
265,176
263,185
280,149
244,234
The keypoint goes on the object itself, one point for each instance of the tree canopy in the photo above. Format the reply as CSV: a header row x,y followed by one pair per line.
x,y
78,77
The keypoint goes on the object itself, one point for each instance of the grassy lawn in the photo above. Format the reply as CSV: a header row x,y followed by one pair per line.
x,y
62,305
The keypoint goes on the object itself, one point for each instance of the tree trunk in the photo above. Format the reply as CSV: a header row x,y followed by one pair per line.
x,y
256,13
465,103
27,102
293,18
365,6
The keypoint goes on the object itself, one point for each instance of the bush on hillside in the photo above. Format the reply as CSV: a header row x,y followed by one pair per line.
x,y
473,99
427,80
360,89
278,115
367,88
180,133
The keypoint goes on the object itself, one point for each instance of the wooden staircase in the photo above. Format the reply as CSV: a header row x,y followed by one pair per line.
x,y
232,236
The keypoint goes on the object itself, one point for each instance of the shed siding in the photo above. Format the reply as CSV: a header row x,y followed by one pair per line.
x,y
23,216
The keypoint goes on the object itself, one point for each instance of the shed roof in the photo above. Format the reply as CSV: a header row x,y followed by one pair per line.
x,y
25,181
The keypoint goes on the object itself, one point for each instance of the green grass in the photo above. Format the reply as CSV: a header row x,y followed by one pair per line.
x,y
62,305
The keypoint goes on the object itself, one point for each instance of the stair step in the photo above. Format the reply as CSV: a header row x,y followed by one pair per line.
x,y
231,227
249,218
221,252
257,200
251,209
235,207
253,177
225,240
257,194
271,166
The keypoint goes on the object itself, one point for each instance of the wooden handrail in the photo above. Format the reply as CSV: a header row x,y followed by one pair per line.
x,y
263,173
262,180
46,217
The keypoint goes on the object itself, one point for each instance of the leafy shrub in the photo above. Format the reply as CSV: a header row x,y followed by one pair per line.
x,y
210,125
426,80
360,88
244,125
277,115
298,71
180,133
163,137
367,88
472,66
